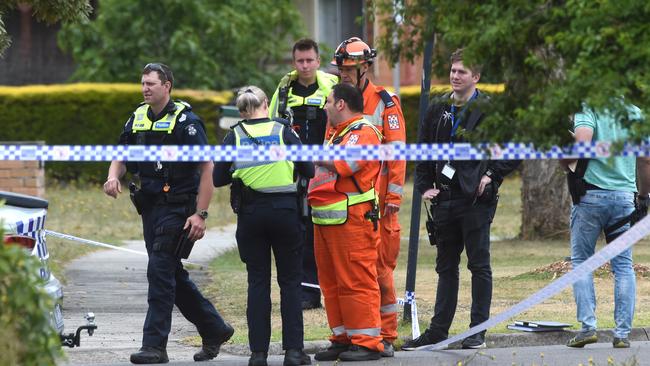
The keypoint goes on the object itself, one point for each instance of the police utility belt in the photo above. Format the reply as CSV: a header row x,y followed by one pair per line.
x,y
241,194
142,200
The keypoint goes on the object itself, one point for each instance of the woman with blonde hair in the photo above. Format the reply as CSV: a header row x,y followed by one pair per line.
x,y
268,220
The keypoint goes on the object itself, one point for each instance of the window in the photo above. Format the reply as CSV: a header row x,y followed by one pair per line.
x,y
338,21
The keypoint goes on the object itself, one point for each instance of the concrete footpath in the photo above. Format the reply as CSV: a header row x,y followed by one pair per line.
x,y
113,285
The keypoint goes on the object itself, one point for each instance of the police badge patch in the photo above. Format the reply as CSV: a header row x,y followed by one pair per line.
x,y
393,122
191,130
352,140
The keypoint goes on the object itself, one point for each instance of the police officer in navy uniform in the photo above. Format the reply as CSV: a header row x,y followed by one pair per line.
x,y
264,196
173,201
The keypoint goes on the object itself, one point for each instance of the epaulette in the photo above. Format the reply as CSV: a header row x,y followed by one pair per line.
x,y
386,98
186,104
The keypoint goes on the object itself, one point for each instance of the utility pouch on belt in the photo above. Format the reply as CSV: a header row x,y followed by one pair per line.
x,y
184,245
432,228
236,194
576,182
137,197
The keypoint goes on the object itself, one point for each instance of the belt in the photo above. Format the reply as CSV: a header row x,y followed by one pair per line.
x,y
591,187
447,195
167,198
251,195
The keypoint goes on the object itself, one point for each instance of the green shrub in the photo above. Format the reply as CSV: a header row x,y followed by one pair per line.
x,y
28,337
87,114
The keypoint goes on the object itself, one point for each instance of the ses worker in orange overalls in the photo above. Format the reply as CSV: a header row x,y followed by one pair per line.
x,y
346,235
353,57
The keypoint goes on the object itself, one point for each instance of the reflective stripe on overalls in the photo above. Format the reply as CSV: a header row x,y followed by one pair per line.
x,y
263,176
335,209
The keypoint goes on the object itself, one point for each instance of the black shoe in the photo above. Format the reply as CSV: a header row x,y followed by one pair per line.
x,y
211,347
332,352
359,353
296,357
258,359
424,339
308,304
389,350
474,341
148,355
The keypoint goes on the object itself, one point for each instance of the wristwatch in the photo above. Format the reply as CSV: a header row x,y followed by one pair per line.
x,y
202,214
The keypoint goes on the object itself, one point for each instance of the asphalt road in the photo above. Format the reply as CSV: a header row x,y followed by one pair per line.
x,y
112,284
600,354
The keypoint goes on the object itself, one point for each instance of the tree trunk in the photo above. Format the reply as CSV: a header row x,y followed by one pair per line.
x,y
546,203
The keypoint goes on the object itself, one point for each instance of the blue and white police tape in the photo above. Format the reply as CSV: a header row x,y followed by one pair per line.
x,y
100,244
626,240
408,152
409,298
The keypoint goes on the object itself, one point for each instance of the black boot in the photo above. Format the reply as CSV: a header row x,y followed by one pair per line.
x,y
296,357
211,347
148,355
332,352
258,359
359,353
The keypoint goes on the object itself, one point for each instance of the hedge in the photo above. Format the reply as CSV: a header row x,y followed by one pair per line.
x,y
87,114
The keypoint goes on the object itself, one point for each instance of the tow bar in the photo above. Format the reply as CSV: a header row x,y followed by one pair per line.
x,y
73,339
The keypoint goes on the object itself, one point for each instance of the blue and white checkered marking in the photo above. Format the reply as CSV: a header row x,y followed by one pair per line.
x,y
408,152
34,228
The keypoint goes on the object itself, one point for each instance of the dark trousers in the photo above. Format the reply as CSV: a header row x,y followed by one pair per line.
x,y
309,270
169,282
462,225
263,226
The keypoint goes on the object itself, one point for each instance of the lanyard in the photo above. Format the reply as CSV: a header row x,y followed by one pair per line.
x,y
455,122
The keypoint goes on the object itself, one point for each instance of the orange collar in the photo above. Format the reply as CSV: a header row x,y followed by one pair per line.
x,y
343,125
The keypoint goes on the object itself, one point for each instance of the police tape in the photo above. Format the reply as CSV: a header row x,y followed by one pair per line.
x,y
623,242
103,245
395,151
409,298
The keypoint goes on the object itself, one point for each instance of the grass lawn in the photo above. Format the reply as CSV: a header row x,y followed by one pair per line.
x,y
512,262
84,210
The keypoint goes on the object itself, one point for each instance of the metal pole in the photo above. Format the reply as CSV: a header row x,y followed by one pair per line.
x,y
416,206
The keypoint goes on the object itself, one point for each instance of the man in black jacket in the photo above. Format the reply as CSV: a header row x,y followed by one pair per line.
x,y
463,198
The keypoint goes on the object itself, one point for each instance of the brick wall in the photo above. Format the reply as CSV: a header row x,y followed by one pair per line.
x,y
26,177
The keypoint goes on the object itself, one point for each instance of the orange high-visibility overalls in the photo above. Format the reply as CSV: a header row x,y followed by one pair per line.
x,y
346,241
383,110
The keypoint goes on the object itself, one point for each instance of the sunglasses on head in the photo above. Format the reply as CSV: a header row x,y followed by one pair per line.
x,y
156,67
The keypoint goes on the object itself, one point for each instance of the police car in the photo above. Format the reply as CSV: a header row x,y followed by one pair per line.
x,y
23,220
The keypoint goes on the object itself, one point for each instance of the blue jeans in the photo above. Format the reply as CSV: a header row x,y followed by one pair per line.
x,y
597,210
